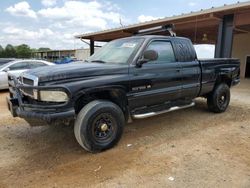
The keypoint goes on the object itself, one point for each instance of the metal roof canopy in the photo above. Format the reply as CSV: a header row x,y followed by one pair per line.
x,y
193,25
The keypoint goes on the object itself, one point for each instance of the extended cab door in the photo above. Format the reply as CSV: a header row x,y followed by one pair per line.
x,y
190,68
191,75
155,82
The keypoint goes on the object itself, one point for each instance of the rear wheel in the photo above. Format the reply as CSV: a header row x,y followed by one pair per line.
x,y
99,125
219,99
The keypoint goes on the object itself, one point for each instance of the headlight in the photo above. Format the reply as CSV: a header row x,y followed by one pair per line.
x,y
52,96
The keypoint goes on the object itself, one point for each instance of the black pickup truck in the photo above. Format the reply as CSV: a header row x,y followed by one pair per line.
x,y
129,78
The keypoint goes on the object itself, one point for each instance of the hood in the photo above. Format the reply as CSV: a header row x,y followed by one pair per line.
x,y
69,71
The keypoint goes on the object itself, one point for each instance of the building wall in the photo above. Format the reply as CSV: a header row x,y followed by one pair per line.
x,y
82,54
52,55
241,49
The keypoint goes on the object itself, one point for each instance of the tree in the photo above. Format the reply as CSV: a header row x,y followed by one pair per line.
x,y
44,49
23,51
9,51
1,51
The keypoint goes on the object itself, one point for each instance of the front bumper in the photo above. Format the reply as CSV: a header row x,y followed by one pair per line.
x,y
44,112
235,82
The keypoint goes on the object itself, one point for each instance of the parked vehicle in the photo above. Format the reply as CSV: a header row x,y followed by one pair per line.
x,y
65,60
130,78
6,60
16,67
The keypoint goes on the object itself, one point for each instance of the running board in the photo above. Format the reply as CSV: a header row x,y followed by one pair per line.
x,y
150,114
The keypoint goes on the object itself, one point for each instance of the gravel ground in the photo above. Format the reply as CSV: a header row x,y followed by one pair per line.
x,y
187,148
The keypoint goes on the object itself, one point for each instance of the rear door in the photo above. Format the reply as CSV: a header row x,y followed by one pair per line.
x,y
190,68
191,76
157,81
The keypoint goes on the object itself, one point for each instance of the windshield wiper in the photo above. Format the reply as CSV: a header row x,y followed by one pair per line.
x,y
98,61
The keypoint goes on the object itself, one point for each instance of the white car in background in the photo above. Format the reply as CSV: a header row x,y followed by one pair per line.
x,y
17,67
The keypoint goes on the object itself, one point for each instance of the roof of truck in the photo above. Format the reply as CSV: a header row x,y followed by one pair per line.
x,y
155,36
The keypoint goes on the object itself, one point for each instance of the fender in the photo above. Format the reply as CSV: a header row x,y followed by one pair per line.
x,y
116,93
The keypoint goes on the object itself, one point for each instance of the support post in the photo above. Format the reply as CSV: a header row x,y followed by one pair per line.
x,y
92,46
224,44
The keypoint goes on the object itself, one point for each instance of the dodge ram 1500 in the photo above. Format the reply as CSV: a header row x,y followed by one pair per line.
x,y
130,78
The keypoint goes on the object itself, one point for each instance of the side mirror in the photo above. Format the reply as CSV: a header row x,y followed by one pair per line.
x,y
148,55
6,69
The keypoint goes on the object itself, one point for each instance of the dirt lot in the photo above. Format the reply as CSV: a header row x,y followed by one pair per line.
x,y
188,148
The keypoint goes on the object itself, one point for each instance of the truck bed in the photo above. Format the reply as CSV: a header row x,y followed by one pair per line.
x,y
211,69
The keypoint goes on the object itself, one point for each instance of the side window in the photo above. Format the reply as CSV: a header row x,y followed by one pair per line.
x,y
164,50
19,66
36,64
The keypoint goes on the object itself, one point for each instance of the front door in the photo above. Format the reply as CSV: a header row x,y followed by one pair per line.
x,y
157,81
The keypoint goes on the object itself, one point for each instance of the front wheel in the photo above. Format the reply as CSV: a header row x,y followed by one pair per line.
x,y
99,125
219,99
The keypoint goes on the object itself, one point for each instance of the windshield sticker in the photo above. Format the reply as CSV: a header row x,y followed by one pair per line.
x,y
128,45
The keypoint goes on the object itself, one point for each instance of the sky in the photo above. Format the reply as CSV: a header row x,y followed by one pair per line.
x,y
54,23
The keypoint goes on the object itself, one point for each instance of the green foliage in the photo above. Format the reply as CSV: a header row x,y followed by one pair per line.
x,y
1,52
23,51
10,51
44,49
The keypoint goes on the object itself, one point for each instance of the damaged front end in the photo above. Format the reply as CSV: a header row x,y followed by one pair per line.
x,y
36,104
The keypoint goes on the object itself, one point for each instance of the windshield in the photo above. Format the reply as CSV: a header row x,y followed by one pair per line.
x,y
117,51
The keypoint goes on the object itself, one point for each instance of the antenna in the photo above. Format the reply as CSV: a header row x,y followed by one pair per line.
x,y
120,20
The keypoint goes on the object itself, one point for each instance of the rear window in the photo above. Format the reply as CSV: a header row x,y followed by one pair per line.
x,y
36,64
19,66
185,51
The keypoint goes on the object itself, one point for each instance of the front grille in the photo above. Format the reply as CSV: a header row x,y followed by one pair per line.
x,y
27,91
27,81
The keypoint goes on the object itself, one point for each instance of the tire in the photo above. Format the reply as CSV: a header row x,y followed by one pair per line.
x,y
99,126
219,99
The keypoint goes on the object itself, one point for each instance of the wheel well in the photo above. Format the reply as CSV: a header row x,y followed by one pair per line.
x,y
116,96
224,79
